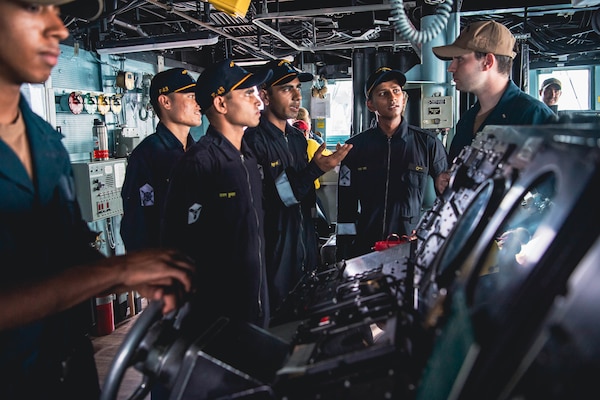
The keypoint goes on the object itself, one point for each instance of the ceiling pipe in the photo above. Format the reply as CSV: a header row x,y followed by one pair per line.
x,y
331,11
278,34
258,21
209,27
125,25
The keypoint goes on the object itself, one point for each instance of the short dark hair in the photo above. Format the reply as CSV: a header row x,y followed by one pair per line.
x,y
269,89
156,107
504,62
211,110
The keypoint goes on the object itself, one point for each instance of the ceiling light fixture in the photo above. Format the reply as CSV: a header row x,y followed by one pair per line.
x,y
165,42
253,63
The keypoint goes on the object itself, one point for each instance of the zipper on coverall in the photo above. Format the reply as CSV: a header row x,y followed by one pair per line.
x,y
260,309
387,187
303,261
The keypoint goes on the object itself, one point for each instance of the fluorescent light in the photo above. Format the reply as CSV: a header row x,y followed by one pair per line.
x,y
255,63
165,42
251,63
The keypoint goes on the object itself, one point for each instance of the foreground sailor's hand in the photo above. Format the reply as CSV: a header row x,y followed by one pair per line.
x,y
329,162
155,274
158,274
442,181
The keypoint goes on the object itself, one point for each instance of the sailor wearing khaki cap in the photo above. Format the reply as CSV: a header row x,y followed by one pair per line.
x,y
481,63
484,37
550,91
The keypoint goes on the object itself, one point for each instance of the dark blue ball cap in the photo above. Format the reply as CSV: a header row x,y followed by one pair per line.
x,y
174,80
223,77
383,74
284,72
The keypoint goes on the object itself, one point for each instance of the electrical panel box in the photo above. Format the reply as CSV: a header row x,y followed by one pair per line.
x,y
126,140
98,185
437,112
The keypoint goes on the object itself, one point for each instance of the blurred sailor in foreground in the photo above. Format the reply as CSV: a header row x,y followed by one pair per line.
x,y
50,270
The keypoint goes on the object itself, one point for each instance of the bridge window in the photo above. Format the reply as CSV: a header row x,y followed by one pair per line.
x,y
576,86
337,126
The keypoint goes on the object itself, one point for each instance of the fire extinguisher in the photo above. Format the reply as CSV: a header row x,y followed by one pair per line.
x,y
105,316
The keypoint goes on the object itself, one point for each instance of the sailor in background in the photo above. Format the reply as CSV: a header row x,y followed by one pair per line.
x,y
214,208
382,181
288,181
173,98
481,63
551,91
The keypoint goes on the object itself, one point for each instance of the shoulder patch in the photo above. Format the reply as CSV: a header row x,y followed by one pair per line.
x,y
345,178
194,213
147,195
261,172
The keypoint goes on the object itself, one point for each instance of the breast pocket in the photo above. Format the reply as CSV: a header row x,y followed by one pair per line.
x,y
416,175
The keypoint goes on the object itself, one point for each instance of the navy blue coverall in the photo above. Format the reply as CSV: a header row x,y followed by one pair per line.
x,y
42,233
145,188
290,203
214,214
381,185
514,108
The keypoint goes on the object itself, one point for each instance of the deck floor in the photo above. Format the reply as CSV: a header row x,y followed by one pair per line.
x,y
105,349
